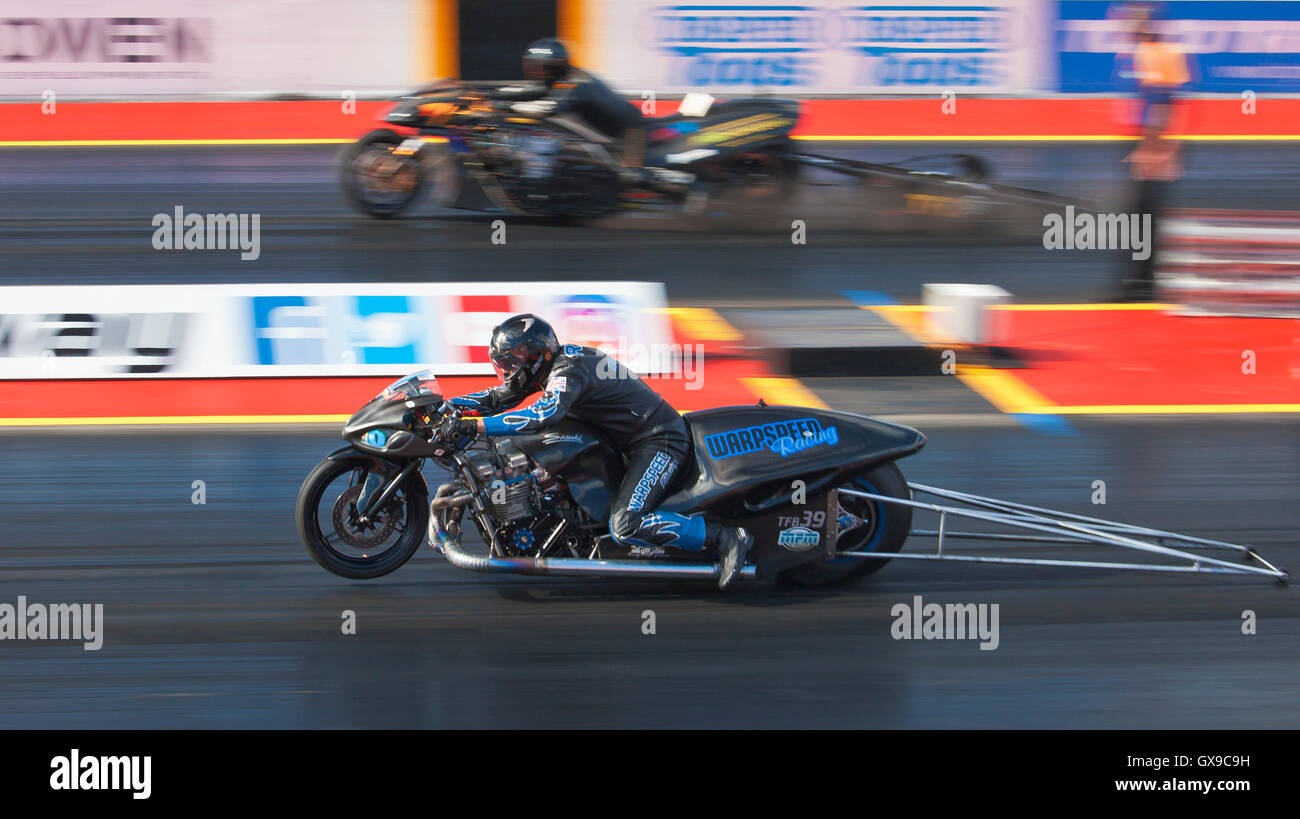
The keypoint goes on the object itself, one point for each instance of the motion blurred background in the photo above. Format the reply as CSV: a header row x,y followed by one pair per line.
x,y
138,382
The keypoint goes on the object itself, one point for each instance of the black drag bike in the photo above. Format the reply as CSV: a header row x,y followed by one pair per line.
x,y
477,152
482,153
800,480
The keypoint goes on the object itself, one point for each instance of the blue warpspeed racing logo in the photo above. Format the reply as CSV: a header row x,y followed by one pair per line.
x,y
781,437
660,470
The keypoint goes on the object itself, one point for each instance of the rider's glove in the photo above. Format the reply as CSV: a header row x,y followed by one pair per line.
x,y
454,428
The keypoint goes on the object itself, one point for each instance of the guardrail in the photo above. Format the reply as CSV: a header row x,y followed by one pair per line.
x,y
1222,262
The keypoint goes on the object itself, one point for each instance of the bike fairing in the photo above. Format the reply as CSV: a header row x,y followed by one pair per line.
x,y
782,438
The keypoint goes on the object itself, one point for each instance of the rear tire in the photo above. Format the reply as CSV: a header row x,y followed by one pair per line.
x,y
892,523
368,164
770,174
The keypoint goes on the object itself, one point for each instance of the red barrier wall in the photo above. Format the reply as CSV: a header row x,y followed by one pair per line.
x,y
904,119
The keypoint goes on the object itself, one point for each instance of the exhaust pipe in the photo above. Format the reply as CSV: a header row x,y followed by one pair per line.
x,y
449,545
441,502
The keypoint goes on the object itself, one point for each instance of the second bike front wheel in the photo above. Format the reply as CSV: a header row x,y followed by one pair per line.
x,y
377,180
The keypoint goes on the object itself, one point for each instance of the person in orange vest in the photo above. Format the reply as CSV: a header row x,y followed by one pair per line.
x,y
1161,69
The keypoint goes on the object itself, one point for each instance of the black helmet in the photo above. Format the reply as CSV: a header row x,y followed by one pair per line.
x,y
522,349
546,61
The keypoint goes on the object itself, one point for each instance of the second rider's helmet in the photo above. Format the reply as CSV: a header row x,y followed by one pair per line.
x,y
546,61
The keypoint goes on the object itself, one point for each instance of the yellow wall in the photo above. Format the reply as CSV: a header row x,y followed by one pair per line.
x,y
576,27
437,35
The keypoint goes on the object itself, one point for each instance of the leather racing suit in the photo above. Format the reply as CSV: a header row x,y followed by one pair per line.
x,y
589,386
584,94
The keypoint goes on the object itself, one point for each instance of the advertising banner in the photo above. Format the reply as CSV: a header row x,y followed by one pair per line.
x,y
116,48
205,331
828,47
1231,46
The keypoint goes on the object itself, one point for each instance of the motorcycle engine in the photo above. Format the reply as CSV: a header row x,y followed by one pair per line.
x,y
507,474
513,498
542,177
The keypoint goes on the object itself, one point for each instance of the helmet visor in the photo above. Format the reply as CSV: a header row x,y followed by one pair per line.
x,y
507,364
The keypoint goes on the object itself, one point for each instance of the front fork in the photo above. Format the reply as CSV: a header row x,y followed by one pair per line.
x,y
375,492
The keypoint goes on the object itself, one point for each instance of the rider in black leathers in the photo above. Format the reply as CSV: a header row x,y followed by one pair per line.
x,y
572,90
585,384
566,89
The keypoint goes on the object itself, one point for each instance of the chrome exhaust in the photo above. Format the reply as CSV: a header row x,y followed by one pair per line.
x,y
449,544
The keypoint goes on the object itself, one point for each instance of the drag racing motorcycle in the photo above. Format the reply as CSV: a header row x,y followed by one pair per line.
x,y
477,152
808,484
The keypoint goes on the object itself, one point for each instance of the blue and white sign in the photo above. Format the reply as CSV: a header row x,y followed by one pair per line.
x,y
1231,46
344,330
719,46
829,47
965,47
308,329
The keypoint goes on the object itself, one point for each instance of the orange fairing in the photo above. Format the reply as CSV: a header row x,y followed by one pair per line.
x,y
437,113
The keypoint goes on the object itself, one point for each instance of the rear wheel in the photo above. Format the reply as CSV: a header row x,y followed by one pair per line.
x,y
866,525
330,528
766,175
376,180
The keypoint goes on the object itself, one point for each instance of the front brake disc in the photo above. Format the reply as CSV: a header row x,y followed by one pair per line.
x,y
351,530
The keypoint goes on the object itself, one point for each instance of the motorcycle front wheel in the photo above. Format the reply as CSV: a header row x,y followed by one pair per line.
x,y
330,528
376,180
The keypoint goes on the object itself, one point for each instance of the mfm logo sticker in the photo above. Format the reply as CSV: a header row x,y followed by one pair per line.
x,y
799,538
782,437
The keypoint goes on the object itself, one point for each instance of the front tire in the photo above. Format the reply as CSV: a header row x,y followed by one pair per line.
x,y
408,508
377,181
887,530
